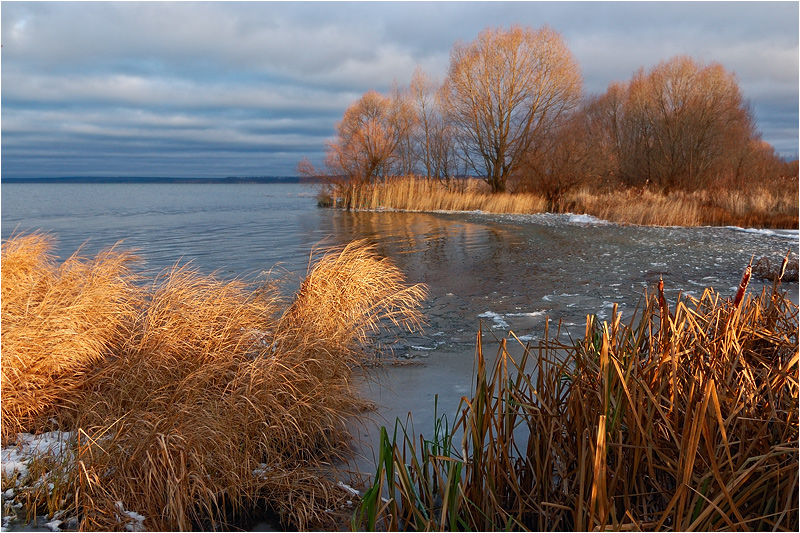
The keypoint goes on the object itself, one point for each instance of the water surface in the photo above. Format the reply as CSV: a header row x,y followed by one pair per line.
x,y
508,272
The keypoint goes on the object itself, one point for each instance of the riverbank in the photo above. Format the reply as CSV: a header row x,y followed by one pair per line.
x,y
758,207
685,418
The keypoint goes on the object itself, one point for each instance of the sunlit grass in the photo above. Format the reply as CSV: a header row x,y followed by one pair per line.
x,y
412,194
191,400
760,207
58,321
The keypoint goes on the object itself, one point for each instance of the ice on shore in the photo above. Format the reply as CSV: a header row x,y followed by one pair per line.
x,y
785,233
15,458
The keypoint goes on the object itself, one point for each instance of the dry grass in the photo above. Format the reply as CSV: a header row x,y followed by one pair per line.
x,y
58,322
686,419
758,207
639,207
219,396
411,194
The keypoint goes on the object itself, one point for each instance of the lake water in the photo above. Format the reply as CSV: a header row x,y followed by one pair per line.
x,y
511,272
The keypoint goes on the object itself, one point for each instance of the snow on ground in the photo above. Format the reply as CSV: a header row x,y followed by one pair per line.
x,y
16,464
16,458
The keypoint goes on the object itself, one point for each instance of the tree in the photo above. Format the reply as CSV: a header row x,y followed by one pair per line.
x,y
507,89
684,125
434,137
369,138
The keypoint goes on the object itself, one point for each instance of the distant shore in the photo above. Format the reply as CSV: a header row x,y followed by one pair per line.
x,y
149,179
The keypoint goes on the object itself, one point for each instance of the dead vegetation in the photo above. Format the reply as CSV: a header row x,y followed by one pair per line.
x,y
191,400
759,207
684,419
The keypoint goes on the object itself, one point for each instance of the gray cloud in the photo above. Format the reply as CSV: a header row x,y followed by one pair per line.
x,y
221,88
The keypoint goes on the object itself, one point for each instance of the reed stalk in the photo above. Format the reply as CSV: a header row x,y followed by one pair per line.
x,y
760,207
685,418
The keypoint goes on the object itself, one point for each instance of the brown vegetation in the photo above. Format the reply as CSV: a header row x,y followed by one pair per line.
x,y
763,207
58,322
686,419
506,92
510,112
192,400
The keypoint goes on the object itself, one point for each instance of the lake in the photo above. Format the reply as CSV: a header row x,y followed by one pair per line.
x,y
507,272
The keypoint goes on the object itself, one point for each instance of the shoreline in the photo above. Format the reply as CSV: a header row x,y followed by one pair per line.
x,y
758,208
578,218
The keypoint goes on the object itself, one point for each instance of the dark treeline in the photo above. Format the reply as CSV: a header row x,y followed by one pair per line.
x,y
511,110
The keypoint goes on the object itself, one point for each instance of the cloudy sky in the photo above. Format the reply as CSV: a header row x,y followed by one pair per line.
x,y
222,88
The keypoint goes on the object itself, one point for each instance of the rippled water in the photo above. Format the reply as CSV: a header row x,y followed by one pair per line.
x,y
511,272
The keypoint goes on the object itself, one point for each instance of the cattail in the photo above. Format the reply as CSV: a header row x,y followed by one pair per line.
x,y
743,286
783,266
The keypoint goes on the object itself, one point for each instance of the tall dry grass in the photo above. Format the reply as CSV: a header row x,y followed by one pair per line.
x,y
412,194
757,207
685,419
216,397
58,322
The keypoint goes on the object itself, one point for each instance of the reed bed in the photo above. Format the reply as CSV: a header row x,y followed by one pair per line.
x,y
757,207
684,419
411,194
210,399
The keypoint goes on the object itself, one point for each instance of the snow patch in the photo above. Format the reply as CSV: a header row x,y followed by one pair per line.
x,y
15,458
586,219
534,313
137,520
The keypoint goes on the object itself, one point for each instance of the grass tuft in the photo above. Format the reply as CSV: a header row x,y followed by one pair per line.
x,y
191,400
59,321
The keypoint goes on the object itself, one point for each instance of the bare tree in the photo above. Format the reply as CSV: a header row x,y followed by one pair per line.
x,y
567,158
423,92
369,138
434,138
683,121
403,121
506,90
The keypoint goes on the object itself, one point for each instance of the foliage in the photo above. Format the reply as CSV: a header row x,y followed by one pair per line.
x,y
507,91
369,138
510,112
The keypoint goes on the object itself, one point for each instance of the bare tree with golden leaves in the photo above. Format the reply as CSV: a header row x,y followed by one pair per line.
x,y
685,121
506,89
369,138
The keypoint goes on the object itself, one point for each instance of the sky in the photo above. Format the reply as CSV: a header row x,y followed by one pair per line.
x,y
216,89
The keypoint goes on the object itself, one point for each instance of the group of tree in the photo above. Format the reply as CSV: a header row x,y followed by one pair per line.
x,y
511,111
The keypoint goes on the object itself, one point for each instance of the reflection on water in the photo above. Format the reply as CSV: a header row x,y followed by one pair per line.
x,y
517,270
